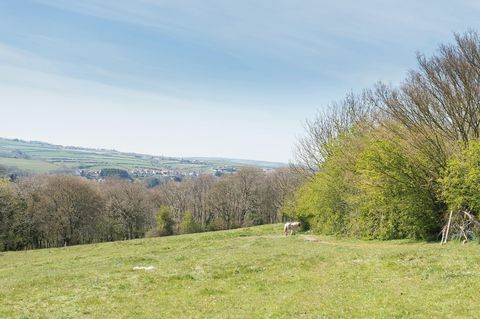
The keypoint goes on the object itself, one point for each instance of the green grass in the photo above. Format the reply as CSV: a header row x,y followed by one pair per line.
x,y
29,165
247,273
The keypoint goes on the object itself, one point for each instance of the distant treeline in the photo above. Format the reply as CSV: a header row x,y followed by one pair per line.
x,y
392,162
53,211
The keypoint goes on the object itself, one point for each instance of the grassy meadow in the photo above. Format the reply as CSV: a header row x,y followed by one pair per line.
x,y
37,166
244,273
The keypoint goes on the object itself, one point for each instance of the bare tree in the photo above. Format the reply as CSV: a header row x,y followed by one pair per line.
x,y
281,185
312,149
439,104
247,180
200,187
9,205
224,203
129,209
69,207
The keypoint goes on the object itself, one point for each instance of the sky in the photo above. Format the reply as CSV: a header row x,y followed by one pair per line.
x,y
213,78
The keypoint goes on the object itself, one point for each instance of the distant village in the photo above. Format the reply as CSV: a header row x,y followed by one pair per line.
x,y
35,157
145,173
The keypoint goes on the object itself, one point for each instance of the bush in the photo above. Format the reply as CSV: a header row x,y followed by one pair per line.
x,y
324,202
460,185
394,199
188,224
165,222
368,188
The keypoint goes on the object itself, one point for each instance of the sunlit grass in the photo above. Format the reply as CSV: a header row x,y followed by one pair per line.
x,y
29,165
247,273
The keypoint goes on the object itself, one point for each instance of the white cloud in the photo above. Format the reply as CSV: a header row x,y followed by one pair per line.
x,y
334,41
296,54
40,104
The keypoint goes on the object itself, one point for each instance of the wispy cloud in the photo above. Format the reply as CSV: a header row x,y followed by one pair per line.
x,y
309,29
55,107
275,40
210,77
14,57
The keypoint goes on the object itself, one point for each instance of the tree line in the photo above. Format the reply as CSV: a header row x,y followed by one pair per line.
x,y
393,161
390,162
60,210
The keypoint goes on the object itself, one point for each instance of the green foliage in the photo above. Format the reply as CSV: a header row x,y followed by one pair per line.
x,y
400,141
460,185
165,221
327,200
368,187
394,200
320,202
188,224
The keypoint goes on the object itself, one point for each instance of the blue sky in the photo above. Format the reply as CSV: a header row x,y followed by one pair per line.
x,y
202,78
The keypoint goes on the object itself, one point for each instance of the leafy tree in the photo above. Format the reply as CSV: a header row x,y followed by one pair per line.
x,y
460,185
394,200
165,222
188,224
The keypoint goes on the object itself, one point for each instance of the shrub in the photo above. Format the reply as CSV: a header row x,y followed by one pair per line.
x,y
188,224
165,222
394,199
460,185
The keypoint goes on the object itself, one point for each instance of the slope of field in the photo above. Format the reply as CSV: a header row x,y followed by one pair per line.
x,y
45,157
246,273
28,165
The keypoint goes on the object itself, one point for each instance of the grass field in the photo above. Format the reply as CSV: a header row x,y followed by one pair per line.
x,y
246,273
29,165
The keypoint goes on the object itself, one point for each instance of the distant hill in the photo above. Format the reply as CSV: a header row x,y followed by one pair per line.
x,y
242,162
39,157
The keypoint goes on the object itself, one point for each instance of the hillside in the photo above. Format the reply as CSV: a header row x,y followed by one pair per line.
x,y
245,273
40,157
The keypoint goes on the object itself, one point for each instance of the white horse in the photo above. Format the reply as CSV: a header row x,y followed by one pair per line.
x,y
292,227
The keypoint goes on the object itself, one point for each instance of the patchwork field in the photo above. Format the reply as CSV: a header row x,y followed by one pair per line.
x,y
39,157
245,273
28,165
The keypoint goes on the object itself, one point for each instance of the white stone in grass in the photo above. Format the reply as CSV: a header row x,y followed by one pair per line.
x,y
144,268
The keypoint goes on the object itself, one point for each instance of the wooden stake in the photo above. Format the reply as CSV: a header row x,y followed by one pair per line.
x,y
443,235
448,227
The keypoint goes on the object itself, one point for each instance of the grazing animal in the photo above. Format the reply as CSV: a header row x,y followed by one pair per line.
x,y
292,227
